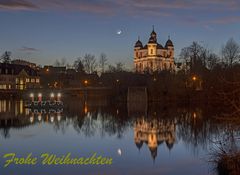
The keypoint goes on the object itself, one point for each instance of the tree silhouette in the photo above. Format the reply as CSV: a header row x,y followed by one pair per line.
x,y
6,57
78,65
102,61
89,63
231,52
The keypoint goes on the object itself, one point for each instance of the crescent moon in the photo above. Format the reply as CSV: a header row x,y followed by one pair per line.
x,y
119,32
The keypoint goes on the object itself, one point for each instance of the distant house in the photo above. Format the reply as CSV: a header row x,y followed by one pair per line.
x,y
18,77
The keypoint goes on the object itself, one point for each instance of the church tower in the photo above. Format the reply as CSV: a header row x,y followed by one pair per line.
x,y
153,56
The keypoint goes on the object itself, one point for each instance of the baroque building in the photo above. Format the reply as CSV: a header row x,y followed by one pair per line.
x,y
153,56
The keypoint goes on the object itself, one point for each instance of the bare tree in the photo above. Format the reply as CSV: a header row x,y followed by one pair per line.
x,y
89,63
6,57
102,61
119,67
231,52
212,60
63,62
198,57
57,63
78,65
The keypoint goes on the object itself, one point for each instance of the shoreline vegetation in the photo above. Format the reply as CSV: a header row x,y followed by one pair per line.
x,y
225,153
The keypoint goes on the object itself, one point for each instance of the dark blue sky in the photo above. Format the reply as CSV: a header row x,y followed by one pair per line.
x,y
45,30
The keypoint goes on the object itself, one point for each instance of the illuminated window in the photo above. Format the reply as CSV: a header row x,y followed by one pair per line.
x,y
32,80
17,80
37,80
3,86
27,80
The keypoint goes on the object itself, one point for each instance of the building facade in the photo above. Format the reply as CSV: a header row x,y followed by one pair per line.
x,y
18,77
153,56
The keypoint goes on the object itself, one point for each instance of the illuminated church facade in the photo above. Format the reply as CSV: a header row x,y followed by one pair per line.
x,y
153,56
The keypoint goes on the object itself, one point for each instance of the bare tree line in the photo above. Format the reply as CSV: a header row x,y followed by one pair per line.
x,y
197,55
89,64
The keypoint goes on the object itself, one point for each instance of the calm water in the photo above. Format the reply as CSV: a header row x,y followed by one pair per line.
x,y
153,139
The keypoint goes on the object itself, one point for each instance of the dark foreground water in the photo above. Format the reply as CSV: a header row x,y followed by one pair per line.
x,y
153,139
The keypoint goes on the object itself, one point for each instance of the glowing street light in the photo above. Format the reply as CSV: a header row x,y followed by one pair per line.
x,y
52,95
194,78
85,82
59,95
39,96
32,96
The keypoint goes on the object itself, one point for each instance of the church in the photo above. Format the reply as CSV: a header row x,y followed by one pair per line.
x,y
153,56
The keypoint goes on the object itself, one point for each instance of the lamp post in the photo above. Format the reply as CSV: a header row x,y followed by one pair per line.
x,y
85,90
40,97
52,96
32,96
85,82
59,95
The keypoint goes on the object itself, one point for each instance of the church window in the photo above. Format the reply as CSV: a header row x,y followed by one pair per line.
x,y
151,51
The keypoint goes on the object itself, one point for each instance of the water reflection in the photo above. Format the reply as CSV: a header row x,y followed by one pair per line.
x,y
155,126
154,132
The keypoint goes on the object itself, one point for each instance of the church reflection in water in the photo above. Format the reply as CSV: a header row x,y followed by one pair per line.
x,y
154,132
152,126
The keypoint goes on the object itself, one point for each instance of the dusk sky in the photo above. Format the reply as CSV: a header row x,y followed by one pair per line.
x,y
42,31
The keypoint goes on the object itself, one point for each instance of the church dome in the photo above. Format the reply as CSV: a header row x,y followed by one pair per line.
x,y
152,40
153,37
159,46
138,44
169,43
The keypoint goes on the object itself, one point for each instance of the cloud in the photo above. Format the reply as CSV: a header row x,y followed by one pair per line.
x,y
17,5
28,49
181,10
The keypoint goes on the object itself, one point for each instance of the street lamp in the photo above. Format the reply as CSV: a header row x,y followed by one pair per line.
x,y
40,97
52,96
32,96
194,78
59,96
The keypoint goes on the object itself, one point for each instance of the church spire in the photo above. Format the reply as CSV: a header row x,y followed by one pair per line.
x,y
153,36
